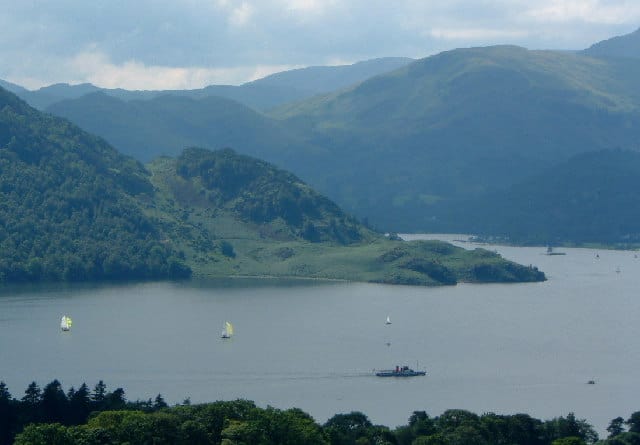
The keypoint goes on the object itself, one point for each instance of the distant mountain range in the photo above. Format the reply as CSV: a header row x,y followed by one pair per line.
x,y
412,148
261,94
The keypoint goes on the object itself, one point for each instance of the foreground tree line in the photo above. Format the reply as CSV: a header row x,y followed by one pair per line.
x,y
49,416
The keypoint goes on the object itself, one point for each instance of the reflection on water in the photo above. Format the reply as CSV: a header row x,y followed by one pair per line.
x,y
312,344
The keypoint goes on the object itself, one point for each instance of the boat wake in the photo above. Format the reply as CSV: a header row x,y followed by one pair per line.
x,y
274,376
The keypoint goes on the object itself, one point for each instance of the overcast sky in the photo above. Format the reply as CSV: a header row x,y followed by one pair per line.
x,y
162,44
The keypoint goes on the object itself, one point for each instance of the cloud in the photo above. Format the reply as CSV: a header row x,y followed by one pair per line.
x,y
97,69
188,42
241,15
586,11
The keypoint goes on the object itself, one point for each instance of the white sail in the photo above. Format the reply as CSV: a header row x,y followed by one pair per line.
x,y
227,332
65,323
388,320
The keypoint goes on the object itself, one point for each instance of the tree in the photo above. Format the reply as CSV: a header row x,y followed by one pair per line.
x,y
615,427
421,424
7,415
44,434
569,426
79,405
54,403
115,400
634,422
99,393
345,429
159,402
33,394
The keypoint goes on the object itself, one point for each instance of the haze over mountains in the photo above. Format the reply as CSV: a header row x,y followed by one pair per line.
x,y
424,146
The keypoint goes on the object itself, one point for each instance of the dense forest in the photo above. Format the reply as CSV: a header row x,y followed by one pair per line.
x,y
49,416
68,206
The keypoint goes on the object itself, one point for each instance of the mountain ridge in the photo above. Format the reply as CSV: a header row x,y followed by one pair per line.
x,y
625,46
260,94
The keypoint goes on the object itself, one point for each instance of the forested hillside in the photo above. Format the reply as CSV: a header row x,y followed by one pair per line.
x,y
68,205
592,196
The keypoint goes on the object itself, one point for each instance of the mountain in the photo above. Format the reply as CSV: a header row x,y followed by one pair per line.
x,y
69,205
626,46
43,97
403,147
165,125
12,87
74,209
315,80
592,196
261,94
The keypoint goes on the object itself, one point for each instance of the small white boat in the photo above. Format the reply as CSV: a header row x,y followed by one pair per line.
x,y
65,323
227,332
388,320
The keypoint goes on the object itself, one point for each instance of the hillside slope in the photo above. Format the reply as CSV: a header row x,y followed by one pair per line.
x,y
461,124
165,125
69,205
592,197
626,46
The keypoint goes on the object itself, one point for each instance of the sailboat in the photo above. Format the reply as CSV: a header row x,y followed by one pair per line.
x,y
388,320
65,323
227,332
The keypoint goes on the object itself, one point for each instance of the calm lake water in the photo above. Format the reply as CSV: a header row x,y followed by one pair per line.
x,y
504,348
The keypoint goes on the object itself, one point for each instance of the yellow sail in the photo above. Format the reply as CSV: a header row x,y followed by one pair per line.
x,y
229,328
65,323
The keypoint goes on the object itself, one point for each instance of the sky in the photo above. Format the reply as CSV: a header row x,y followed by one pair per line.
x,y
185,44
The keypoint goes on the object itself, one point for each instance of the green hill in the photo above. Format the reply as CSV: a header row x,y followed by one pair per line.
x,y
74,209
462,124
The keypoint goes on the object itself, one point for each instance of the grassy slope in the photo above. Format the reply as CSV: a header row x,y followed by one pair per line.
x,y
200,230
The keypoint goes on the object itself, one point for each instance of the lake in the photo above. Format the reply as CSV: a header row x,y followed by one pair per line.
x,y
503,348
